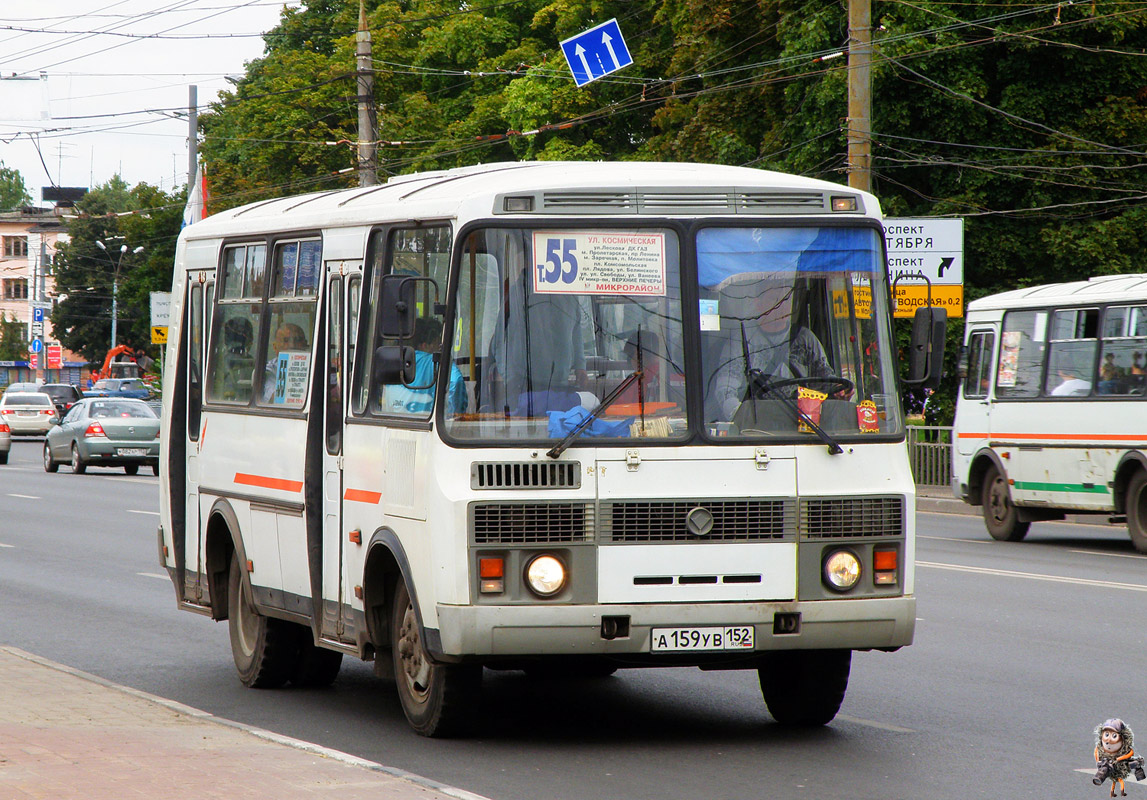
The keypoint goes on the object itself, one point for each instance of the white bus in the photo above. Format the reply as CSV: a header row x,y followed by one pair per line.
x,y
555,417
1049,416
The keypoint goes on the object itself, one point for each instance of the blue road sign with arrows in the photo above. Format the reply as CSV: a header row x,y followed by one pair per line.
x,y
596,53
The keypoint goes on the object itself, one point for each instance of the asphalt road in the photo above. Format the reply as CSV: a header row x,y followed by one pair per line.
x,y
1021,650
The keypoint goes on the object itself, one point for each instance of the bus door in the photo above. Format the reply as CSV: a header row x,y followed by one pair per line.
x,y
975,392
200,299
340,285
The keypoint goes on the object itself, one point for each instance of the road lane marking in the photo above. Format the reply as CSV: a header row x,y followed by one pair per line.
x,y
955,539
1101,553
1034,576
152,575
25,496
884,726
149,513
6,545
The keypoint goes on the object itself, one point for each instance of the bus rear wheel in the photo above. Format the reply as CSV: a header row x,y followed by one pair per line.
x,y
1137,510
436,698
265,649
804,687
1000,515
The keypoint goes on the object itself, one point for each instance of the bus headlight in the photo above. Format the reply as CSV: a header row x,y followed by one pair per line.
x,y
841,570
546,575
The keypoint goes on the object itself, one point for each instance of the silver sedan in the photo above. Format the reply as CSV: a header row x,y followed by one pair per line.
x,y
105,432
27,412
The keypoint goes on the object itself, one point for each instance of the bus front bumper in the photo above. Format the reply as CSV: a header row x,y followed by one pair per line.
x,y
856,624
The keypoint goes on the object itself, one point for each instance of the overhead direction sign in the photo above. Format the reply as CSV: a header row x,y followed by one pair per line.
x,y
596,53
931,248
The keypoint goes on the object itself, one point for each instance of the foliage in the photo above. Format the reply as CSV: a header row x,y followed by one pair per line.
x,y
13,345
1026,120
84,273
13,192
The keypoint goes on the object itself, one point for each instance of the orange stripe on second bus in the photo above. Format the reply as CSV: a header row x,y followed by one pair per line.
x,y
1074,437
263,482
363,496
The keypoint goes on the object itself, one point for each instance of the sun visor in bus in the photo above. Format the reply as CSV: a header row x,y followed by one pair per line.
x,y
727,256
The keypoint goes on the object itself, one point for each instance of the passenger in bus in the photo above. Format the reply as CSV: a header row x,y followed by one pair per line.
x,y
1109,375
427,342
289,337
1137,364
769,342
1071,385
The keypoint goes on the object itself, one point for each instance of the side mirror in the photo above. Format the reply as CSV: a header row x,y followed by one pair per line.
x,y
397,307
926,352
393,364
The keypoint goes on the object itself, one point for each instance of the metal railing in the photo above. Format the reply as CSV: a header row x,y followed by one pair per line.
x,y
930,454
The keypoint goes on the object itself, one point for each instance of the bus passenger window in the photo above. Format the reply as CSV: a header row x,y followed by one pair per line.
x,y
980,348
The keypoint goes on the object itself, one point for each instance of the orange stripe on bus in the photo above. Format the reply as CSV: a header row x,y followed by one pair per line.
x,y
1099,437
264,482
363,496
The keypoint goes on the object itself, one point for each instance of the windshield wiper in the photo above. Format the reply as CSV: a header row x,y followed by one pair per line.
x,y
757,381
561,446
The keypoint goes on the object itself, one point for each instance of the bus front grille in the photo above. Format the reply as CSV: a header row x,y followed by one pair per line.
x,y
669,521
531,523
525,475
849,517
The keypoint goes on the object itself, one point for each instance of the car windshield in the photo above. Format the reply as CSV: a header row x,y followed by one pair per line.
x,y
106,384
794,328
120,408
28,399
553,324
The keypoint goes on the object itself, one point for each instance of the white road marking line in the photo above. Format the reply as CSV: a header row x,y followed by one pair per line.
x,y
884,726
150,513
955,539
1034,576
152,575
25,496
1101,553
6,545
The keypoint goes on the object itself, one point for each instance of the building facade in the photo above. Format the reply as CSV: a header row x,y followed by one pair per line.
x,y
28,241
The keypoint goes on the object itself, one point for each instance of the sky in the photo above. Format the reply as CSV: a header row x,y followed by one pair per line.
x,y
94,88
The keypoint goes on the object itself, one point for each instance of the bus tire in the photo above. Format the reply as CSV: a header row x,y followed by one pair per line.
x,y
1136,504
804,687
1000,515
315,666
436,698
265,649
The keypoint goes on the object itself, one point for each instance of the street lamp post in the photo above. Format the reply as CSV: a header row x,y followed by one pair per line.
x,y
115,280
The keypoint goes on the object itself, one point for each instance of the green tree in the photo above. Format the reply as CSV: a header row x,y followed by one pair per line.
x,y
13,345
13,192
84,272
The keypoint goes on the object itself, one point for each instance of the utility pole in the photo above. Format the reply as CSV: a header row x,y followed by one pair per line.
x,y
860,94
364,76
192,135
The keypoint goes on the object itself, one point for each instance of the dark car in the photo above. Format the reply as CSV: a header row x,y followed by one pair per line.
x,y
105,432
64,395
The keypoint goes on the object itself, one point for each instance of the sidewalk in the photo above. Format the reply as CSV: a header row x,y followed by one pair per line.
x,y
67,735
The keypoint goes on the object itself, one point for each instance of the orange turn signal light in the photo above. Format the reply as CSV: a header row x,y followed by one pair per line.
x,y
884,564
491,571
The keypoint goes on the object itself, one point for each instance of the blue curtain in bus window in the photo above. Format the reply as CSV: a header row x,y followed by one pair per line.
x,y
725,252
309,256
288,261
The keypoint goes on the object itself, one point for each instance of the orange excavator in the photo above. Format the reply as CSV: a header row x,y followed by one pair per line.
x,y
119,363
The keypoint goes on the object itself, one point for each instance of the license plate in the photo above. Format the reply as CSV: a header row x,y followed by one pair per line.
x,y
131,451
680,640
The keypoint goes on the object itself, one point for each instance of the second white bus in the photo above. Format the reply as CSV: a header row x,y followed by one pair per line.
x,y
1050,415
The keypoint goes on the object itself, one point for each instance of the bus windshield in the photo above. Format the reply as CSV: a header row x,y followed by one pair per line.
x,y
794,327
553,323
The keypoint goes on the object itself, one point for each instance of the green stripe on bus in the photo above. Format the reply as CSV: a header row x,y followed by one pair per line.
x,y
1036,486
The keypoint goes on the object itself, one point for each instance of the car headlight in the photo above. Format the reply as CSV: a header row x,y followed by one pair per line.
x,y
546,575
841,570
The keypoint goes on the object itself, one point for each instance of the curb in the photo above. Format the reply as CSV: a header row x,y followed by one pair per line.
x,y
261,733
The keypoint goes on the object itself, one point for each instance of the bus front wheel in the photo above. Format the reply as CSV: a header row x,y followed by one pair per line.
x,y
265,649
436,698
804,687
1000,515
1137,510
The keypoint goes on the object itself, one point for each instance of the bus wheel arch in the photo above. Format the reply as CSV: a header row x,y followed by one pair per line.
x,y
1135,502
1131,463
981,463
221,540
386,565
1001,517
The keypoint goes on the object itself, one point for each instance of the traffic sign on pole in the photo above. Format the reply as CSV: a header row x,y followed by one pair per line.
x,y
596,53
36,346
